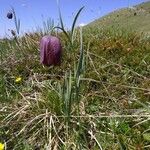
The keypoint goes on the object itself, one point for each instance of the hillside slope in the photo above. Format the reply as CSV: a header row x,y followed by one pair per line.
x,y
135,18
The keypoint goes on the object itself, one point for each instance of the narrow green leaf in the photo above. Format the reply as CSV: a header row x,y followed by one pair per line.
x,y
64,31
121,143
60,16
80,63
75,20
18,26
17,22
70,92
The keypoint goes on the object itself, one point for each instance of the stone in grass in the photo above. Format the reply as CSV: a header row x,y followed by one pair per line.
x,y
50,50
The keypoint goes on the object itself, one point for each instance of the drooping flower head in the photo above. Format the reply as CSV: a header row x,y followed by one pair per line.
x,y
50,51
9,15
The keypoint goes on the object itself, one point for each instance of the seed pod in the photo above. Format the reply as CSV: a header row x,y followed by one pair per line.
x,y
50,51
9,15
13,33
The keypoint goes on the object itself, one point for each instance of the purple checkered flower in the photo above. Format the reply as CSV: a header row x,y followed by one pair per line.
x,y
50,51
9,15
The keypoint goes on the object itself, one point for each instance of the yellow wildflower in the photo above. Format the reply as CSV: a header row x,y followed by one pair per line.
x,y
18,79
1,146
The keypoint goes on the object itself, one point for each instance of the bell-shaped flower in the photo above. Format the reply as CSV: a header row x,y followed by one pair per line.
x,y
50,50
9,15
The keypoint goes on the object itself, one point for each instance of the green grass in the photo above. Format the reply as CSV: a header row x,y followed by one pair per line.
x,y
97,99
136,18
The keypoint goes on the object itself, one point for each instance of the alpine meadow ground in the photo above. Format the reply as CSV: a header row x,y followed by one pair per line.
x,y
98,98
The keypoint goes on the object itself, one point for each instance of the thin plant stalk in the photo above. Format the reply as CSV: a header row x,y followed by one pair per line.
x,y
69,35
16,21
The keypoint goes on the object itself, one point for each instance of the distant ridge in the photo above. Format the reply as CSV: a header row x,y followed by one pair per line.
x,y
136,18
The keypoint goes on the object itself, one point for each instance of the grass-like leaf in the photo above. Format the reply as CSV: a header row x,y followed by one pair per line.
x,y
71,34
64,31
60,16
75,20
80,62
16,21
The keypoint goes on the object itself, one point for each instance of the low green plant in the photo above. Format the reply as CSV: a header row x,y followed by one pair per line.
x,y
69,35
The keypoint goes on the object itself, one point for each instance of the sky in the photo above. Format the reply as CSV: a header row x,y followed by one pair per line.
x,y
33,12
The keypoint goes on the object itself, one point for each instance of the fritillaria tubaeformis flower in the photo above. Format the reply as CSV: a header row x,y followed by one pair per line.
x,y
9,15
50,50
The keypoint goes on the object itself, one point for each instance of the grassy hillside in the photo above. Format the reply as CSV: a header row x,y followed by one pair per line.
x,y
136,18
98,98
